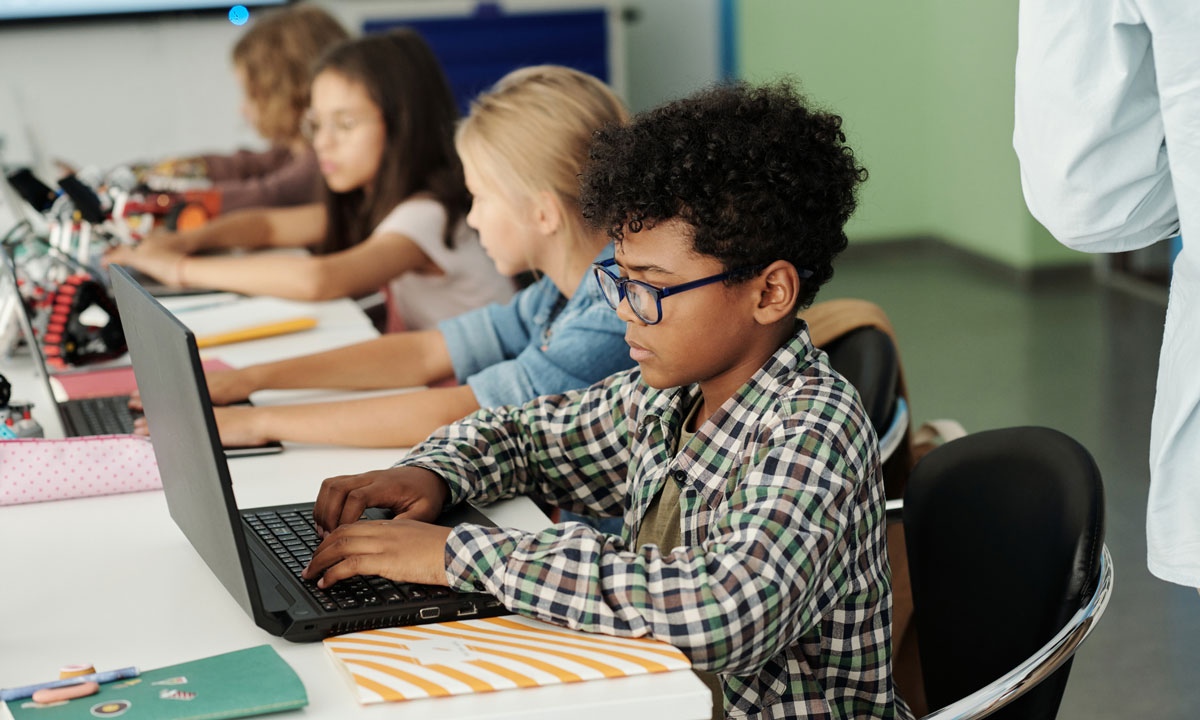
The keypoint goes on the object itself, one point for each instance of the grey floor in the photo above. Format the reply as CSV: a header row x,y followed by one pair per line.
x,y
1080,358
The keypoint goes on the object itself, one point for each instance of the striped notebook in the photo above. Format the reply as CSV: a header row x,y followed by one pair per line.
x,y
472,656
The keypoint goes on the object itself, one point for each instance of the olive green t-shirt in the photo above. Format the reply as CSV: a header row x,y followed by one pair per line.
x,y
660,527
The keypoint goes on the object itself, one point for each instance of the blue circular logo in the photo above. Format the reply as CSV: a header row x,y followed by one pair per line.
x,y
238,14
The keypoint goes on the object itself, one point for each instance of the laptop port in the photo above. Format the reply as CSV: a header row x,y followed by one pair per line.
x,y
492,603
430,613
467,610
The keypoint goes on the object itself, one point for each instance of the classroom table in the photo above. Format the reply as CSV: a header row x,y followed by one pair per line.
x,y
112,582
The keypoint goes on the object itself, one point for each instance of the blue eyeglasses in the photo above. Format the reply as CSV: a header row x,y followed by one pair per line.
x,y
646,300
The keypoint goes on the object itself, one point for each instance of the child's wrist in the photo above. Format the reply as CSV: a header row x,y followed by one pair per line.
x,y
179,277
253,378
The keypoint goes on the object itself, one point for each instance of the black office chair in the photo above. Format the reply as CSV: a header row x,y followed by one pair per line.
x,y
1005,532
868,359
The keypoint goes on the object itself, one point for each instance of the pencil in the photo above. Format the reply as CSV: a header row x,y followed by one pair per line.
x,y
255,332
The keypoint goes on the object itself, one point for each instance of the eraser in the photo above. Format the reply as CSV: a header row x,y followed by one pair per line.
x,y
70,692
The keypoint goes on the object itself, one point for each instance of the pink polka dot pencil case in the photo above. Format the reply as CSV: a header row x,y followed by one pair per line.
x,y
36,469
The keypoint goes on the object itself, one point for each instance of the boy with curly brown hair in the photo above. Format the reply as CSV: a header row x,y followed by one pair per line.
x,y
743,465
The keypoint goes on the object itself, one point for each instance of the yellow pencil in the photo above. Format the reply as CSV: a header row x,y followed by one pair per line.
x,y
255,332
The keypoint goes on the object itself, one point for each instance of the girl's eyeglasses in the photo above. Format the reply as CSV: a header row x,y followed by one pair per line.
x,y
646,300
341,125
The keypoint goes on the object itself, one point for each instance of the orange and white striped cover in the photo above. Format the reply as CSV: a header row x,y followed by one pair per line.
x,y
458,658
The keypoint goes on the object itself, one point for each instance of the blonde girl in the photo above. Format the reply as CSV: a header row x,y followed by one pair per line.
x,y
522,147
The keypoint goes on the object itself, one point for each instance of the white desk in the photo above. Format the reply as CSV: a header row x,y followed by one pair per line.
x,y
111,581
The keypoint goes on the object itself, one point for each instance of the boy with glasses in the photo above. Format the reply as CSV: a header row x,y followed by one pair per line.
x,y
744,466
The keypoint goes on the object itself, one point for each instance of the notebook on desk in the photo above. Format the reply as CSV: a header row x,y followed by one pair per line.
x,y
493,654
256,553
98,414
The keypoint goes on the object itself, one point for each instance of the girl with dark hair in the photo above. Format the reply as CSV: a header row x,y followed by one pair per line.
x,y
381,121
273,65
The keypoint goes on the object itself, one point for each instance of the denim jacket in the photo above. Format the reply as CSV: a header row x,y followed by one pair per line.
x,y
509,354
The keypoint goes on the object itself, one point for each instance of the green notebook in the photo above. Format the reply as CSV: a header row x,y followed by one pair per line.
x,y
254,681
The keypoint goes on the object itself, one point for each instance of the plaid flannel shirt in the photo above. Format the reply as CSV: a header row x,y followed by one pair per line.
x,y
782,585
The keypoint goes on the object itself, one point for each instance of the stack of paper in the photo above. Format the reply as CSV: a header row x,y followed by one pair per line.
x,y
458,658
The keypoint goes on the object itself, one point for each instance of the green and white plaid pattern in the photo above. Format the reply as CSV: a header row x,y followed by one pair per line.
x,y
782,585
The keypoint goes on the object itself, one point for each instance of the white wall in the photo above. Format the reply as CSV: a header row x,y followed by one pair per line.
x,y
672,48
110,91
113,91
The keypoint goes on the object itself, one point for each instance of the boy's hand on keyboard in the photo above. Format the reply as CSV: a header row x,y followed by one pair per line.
x,y
398,549
410,492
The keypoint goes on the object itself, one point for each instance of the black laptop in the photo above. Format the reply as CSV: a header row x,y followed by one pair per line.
x,y
97,415
257,553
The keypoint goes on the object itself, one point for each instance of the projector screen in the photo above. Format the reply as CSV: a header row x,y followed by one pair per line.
x,y
47,9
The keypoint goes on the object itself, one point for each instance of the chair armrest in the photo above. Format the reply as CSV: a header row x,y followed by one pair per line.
x,y
893,510
895,432
1041,664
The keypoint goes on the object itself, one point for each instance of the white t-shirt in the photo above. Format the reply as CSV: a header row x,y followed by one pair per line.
x,y
470,278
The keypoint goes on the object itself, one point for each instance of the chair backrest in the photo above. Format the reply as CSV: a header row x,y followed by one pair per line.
x,y
1004,530
867,358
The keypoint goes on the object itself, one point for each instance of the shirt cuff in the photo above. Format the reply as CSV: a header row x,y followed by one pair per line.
x,y
448,473
472,341
476,557
505,383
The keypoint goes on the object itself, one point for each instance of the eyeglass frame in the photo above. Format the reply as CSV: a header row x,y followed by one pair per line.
x,y
660,293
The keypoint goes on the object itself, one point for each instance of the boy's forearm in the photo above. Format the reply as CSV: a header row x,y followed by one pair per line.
x,y
393,421
398,360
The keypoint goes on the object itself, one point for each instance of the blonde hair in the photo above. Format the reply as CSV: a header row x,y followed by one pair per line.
x,y
530,133
277,54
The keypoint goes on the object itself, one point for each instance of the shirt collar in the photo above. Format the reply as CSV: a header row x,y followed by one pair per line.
x,y
588,286
667,406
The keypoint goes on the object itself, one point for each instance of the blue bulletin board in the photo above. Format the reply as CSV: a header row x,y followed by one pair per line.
x,y
478,49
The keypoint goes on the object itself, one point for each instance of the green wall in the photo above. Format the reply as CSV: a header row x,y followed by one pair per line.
x,y
926,90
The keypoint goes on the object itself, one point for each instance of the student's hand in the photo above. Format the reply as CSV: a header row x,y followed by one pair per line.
x,y
398,549
226,387
411,493
240,426
167,240
160,263
236,426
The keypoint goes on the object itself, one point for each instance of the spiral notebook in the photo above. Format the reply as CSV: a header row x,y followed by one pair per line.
x,y
488,655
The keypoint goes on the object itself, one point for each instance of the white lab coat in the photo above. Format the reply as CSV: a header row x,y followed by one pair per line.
x,y
1108,135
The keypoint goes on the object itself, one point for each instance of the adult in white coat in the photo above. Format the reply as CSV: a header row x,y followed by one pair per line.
x,y
1108,135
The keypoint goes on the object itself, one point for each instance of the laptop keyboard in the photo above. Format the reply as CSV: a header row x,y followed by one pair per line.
x,y
292,537
99,416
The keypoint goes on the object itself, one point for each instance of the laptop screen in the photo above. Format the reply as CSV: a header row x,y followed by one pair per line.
x,y
12,310
195,476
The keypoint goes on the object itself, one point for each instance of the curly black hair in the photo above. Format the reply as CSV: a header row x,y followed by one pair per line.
x,y
757,174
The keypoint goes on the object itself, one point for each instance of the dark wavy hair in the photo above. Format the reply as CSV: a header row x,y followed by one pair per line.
x,y
405,81
756,173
